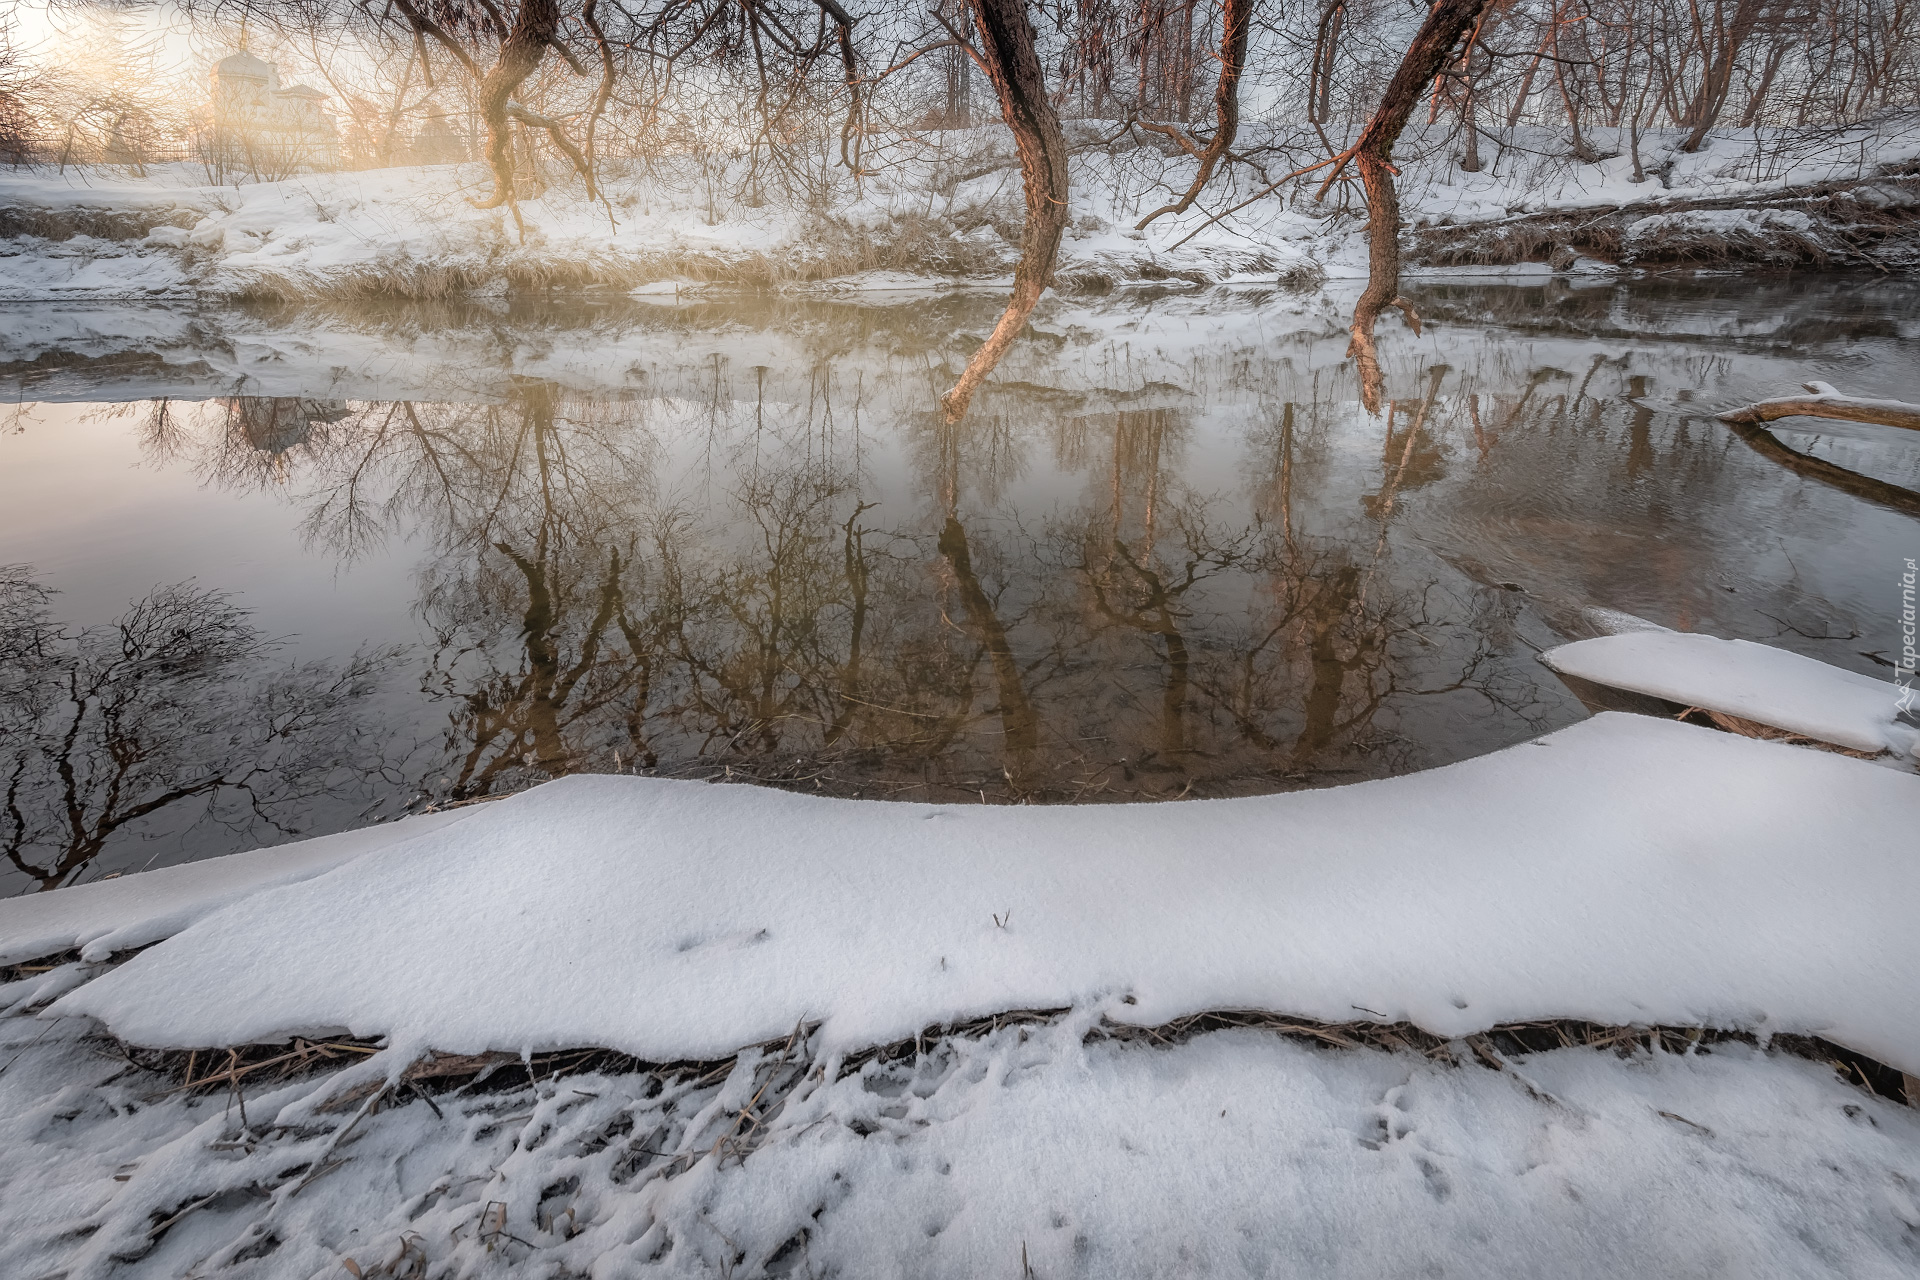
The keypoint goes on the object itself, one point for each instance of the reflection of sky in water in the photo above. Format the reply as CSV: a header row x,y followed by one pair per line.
x,y
1167,555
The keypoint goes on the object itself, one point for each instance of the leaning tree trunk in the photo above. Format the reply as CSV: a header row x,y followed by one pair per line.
x,y
1014,69
1236,19
535,27
1372,154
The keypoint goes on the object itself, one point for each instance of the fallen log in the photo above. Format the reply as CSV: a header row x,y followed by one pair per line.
x,y
1825,402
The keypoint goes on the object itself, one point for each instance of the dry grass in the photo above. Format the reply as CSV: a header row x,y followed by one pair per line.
x,y
1872,222
240,1068
1766,732
831,249
34,968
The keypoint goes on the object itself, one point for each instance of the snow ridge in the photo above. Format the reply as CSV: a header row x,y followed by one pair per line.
x,y
1625,870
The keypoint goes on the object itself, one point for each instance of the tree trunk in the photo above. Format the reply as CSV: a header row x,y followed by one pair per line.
x,y
1713,89
1470,162
1014,69
1633,136
959,73
1470,108
535,27
1431,49
1183,67
1751,116
1019,724
1525,90
1236,21
1581,151
1320,83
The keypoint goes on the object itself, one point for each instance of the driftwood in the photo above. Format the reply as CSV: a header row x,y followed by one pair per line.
x,y
1825,402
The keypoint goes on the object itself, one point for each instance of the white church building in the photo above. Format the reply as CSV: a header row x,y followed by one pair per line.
x,y
260,127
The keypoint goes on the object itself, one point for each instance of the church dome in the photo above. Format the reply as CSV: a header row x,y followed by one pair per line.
x,y
242,66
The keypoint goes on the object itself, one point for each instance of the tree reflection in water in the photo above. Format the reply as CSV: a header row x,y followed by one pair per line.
x,y
170,716
586,615
1221,579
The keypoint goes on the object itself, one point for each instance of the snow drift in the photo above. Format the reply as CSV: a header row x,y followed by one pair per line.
x,y
1624,870
1740,678
124,912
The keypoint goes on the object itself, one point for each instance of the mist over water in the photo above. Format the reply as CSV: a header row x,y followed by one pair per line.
x,y
287,572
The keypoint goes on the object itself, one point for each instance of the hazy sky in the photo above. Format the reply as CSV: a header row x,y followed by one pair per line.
x,y
42,32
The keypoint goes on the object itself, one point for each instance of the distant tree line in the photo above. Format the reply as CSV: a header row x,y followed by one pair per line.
x,y
804,97
584,80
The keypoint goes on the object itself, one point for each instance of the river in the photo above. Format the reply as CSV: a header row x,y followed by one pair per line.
x,y
277,573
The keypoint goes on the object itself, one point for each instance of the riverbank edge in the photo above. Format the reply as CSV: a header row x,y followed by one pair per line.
x,y
148,250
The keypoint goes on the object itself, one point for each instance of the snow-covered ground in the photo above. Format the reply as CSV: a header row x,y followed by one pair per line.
x,y
948,216
1624,871
1237,1154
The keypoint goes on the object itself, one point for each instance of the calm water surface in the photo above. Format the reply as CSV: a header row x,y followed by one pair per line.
x,y
275,574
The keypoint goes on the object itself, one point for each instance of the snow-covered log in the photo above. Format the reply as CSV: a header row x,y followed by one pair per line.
x,y
1826,402
1756,682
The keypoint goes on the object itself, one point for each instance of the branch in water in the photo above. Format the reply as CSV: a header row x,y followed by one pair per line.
x,y
1372,154
1825,402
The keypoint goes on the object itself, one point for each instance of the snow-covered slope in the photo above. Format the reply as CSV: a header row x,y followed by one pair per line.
x,y
1623,870
947,216
106,916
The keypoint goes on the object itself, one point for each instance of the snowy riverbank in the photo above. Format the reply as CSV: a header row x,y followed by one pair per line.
x,y
1623,870
952,217
1238,1153
821,961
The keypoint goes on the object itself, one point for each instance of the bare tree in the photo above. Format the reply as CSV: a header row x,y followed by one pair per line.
x,y
1236,23
169,716
1447,22
1012,66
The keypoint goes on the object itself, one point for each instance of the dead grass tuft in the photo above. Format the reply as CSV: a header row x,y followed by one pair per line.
x,y
1765,732
34,968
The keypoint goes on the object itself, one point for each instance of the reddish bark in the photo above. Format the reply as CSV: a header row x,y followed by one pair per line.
x,y
1235,21
535,28
1432,48
1007,53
